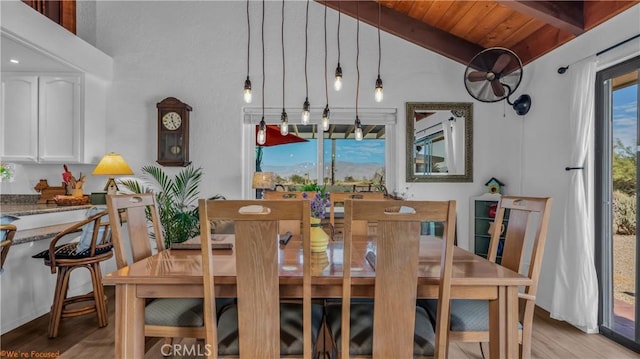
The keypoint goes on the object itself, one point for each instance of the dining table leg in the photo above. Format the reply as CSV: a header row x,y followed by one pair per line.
x,y
503,324
511,323
129,337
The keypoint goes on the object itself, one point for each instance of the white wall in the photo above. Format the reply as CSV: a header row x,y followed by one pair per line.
x,y
202,61
546,130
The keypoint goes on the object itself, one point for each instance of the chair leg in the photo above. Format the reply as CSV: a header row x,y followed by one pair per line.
x,y
98,295
167,342
62,284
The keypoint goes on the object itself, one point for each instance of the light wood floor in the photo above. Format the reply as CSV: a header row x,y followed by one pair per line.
x,y
81,338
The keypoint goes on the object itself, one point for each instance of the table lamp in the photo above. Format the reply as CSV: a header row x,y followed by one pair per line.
x,y
262,181
112,164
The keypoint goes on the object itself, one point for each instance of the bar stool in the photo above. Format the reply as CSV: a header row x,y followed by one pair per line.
x,y
7,231
94,247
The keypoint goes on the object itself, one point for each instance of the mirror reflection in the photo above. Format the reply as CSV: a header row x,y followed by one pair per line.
x,y
439,142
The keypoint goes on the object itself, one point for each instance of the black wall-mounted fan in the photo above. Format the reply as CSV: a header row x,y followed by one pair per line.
x,y
493,75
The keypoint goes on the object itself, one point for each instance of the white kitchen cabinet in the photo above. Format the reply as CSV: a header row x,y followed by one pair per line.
x,y
47,110
19,118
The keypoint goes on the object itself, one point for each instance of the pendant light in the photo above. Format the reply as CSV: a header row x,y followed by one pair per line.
x,y
378,94
306,105
284,120
357,124
247,82
337,85
325,113
262,131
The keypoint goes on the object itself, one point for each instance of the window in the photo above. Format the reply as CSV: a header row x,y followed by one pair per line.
x,y
338,161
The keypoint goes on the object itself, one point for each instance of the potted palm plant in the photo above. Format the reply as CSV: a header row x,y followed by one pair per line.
x,y
176,200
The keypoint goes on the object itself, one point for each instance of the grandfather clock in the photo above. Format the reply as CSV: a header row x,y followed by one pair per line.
x,y
173,132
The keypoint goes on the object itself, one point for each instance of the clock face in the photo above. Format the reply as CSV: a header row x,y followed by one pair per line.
x,y
172,121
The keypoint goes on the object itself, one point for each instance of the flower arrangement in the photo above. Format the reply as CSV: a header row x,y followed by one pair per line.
x,y
71,182
7,172
319,203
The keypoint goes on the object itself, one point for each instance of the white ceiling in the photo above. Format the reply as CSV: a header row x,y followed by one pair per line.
x,y
31,59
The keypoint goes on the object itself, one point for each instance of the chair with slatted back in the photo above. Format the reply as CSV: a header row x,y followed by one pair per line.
x,y
7,231
164,317
260,325
392,326
526,220
285,226
358,227
93,247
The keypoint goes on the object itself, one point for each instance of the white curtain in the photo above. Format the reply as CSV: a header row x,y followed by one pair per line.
x,y
449,145
575,296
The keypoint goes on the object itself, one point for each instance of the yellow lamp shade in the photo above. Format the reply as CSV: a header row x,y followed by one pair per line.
x,y
112,164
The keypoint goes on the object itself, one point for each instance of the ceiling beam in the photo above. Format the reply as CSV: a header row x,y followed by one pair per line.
x,y
597,12
564,15
409,29
368,130
536,44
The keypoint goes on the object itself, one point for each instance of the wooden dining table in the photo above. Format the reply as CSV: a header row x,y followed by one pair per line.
x,y
176,273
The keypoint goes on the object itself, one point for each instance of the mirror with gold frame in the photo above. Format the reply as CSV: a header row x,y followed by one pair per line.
x,y
439,141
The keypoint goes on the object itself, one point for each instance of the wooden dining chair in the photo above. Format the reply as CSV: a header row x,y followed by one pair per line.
x,y
392,326
285,225
526,220
337,201
65,256
8,231
164,317
260,325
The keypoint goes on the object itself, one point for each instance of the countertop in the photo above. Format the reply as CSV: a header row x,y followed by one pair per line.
x,y
28,209
32,227
26,204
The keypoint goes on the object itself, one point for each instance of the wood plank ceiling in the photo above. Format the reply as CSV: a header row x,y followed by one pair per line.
x,y
461,29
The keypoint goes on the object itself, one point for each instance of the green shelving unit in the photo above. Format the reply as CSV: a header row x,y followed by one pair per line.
x,y
481,221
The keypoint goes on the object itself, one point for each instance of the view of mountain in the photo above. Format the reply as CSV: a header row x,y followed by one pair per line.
x,y
357,171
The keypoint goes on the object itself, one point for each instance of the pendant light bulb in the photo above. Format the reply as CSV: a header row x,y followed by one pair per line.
x,y
284,123
305,112
358,132
338,82
325,118
378,92
262,133
247,90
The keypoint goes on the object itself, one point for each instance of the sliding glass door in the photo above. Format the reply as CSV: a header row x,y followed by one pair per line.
x,y
616,201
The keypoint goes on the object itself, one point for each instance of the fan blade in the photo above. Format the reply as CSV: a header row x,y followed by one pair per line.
x,y
498,90
474,76
501,63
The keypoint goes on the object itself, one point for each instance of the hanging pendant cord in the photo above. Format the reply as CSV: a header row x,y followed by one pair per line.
x,y
339,13
306,41
283,70
379,43
248,38
263,72
357,54
326,86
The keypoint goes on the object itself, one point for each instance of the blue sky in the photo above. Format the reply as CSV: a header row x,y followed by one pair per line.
x,y
625,115
367,151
